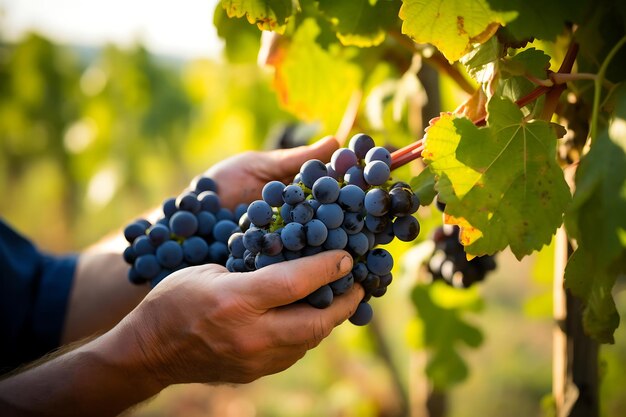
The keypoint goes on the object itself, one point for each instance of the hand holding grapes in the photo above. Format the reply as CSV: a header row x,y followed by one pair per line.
x,y
204,324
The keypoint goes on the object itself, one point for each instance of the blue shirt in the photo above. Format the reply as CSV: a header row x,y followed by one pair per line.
x,y
34,292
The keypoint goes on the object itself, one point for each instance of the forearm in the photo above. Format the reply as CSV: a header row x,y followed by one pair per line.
x,y
101,293
100,378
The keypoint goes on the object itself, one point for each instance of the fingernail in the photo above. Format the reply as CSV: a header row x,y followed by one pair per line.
x,y
346,264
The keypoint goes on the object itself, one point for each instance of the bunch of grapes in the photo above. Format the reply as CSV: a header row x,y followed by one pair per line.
x,y
193,230
349,203
449,261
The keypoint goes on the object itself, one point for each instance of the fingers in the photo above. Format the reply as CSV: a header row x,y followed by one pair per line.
x,y
286,282
301,324
290,160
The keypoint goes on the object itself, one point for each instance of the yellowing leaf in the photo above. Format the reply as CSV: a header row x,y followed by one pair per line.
x,y
266,14
502,180
313,83
453,26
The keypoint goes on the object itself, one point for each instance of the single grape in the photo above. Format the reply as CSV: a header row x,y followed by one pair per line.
x,y
401,202
146,224
253,240
359,272
223,229
159,233
195,250
293,236
379,292
201,183
331,172
406,228
302,213
134,277
129,255
379,261
377,202
370,283
331,215
218,253
240,210
239,265
244,222
260,213
273,193
183,223
351,198
358,244
376,224
385,280
209,201
376,173
188,202
235,245
371,238
147,266
342,160
353,223
169,207
326,190
293,194
272,244
342,285
285,212
225,214
336,239
143,246
361,144
354,176
316,232
362,315
133,231
249,259
206,223
321,298
378,153
386,236
311,170
169,254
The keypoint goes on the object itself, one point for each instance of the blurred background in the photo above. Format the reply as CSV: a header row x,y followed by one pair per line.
x,y
107,108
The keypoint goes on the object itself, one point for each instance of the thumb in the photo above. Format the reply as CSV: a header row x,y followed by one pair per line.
x,y
290,160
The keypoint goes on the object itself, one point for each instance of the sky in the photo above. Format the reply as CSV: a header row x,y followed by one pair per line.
x,y
182,28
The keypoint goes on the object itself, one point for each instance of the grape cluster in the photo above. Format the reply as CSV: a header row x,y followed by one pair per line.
x,y
349,203
449,261
193,230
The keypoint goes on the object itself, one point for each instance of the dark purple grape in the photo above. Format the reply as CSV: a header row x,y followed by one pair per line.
x,y
209,201
336,239
378,153
159,233
201,183
293,194
195,250
361,144
272,244
377,202
326,190
302,213
147,266
342,160
260,213
354,176
273,193
253,240
363,314
321,298
169,207
406,228
331,215
169,254
379,261
134,230
183,224
188,202
235,245
293,236
143,246
316,232
311,171
342,285
376,173
351,198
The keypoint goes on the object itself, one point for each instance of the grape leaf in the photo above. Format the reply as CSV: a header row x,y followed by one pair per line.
x,y
596,219
453,26
359,22
313,83
266,14
502,179
424,187
481,62
443,330
241,40
539,18
514,82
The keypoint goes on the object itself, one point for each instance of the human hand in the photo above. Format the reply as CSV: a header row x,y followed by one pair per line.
x,y
241,178
204,324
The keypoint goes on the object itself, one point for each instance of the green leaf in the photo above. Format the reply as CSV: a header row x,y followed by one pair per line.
x,y
424,186
514,82
359,22
502,179
453,26
481,63
313,83
539,18
241,40
266,14
596,219
442,330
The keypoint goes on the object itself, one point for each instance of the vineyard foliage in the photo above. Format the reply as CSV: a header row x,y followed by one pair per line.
x,y
539,96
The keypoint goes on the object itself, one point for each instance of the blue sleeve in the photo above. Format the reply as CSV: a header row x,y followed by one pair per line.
x,y
34,291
